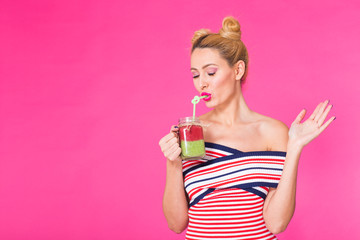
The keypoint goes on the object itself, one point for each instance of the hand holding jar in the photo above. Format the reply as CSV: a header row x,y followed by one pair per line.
x,y
169,145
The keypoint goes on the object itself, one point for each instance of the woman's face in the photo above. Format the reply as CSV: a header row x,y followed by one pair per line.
x,y
212,75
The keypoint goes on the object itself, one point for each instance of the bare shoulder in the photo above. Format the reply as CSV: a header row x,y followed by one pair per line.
x,y
276,133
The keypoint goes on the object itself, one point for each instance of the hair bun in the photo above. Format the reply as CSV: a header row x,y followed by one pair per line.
x,y
199,34
230,29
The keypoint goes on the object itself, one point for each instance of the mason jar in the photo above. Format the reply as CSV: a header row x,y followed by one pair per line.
x,y
191,138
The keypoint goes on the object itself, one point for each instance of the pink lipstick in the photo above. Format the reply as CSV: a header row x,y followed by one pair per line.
x,y
207,98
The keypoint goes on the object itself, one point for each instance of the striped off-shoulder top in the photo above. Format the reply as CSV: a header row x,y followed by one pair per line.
x,y
227,189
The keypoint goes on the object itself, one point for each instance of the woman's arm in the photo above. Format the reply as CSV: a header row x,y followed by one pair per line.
x,y
175,204
279,204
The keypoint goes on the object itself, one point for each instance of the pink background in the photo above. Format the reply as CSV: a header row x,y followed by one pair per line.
x,y
88,88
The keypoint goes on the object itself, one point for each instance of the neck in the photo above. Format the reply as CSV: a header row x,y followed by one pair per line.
x,y
233,112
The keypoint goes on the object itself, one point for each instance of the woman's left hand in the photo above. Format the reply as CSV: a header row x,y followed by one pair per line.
x,y
303,133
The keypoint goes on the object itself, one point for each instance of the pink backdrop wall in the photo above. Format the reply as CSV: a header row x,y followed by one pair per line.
x,y
88,88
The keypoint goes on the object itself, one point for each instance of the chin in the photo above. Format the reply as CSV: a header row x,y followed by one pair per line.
x,y
210,104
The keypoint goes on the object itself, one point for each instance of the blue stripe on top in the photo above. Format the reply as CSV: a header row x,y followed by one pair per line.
x,y
249,187
236,154
229,173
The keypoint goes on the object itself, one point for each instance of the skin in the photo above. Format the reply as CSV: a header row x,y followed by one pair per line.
x,y
232,123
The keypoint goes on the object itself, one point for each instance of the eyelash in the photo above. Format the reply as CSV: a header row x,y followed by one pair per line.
x,y
210,74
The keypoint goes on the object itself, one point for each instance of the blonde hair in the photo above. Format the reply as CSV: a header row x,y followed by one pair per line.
x,y
227,42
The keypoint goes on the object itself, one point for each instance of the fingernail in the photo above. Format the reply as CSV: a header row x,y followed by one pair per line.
x,y
176,127
334,118
332,106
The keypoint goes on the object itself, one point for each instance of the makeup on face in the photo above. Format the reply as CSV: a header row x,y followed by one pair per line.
x,y
212,76
207,98
210,70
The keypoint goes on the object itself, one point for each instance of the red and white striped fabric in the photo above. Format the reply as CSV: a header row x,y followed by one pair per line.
x,y
227,189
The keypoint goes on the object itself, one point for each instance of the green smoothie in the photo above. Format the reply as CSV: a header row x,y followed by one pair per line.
x,y
192,149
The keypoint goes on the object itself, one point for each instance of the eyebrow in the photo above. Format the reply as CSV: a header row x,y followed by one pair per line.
x,y
204,66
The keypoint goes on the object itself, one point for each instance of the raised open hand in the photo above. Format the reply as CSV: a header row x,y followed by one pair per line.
x,y
303,133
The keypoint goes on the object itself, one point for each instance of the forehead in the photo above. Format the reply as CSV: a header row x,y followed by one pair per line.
x,y
203,56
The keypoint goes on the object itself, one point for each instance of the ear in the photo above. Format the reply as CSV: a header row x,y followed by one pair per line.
x,y
239,69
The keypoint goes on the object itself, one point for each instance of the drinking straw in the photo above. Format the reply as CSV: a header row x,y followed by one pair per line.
x,y
195,101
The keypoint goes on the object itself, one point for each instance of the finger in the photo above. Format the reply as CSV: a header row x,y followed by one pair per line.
x,y
300,116
169,152
315,111
175,154
173,142
173,147
321,110
323,127
174,128
172,133
166,138
166,146
324,115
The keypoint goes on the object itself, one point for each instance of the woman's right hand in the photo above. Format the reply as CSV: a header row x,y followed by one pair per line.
x,y
169,145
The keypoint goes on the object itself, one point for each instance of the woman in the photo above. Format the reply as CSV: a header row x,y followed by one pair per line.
x,y
245,186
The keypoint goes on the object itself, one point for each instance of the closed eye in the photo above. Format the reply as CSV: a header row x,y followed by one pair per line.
x,y
210,74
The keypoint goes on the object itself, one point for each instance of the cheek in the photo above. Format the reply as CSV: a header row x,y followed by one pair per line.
x,y
222,84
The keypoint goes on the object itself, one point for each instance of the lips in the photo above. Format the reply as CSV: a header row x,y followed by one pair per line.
x,y
207,98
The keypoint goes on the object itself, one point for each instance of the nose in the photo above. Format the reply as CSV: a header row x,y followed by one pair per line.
x,y
203,83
